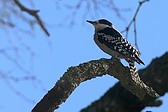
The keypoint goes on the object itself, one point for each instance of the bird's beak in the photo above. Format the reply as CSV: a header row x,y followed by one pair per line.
x,y
91,22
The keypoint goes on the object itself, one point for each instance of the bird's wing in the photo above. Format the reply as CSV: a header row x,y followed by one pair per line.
x,y
115,41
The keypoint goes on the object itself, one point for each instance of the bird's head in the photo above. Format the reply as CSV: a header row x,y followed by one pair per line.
x,y
100,24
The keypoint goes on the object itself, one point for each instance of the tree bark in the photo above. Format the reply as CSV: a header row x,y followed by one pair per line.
x,y
119,99
86,71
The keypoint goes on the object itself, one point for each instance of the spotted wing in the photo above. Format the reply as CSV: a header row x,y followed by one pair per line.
x,y
115,41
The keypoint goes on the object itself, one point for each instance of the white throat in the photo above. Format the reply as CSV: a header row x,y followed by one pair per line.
x,y
100,26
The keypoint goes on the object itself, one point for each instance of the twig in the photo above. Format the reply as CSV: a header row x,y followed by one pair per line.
x,y
18,93
133,20
86,71
135,34
14,61
3,22
93,9
33,13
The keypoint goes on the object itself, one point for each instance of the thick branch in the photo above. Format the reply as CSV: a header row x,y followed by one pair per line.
x,y
86,71
119,99
33,13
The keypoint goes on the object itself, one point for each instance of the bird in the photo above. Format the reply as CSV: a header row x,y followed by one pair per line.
x,y
112,42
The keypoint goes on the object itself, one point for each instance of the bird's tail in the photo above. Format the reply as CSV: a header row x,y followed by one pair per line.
x,y
138,60
133,69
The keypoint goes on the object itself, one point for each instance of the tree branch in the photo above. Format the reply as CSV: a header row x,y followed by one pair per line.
x,y
119,99
86,71
33,13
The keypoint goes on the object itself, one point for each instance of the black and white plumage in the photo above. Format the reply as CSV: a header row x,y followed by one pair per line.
x,y
113,43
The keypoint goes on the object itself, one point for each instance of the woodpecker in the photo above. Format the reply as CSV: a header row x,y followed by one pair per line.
x,y
111,41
